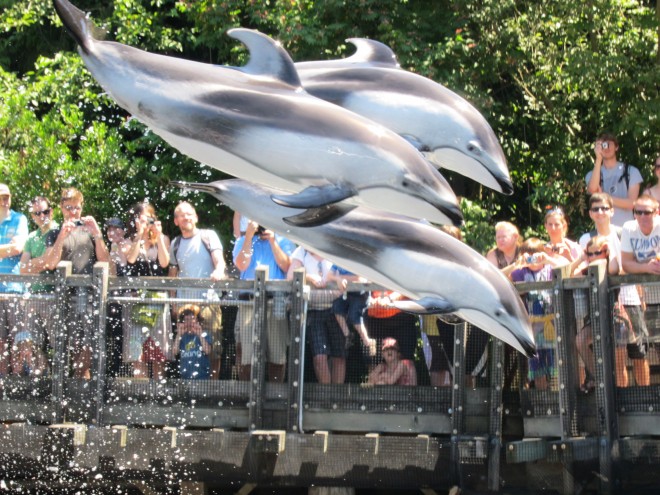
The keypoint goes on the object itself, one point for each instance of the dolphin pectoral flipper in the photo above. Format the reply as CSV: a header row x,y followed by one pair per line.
x,y
426,306
315,196
313,217
417,143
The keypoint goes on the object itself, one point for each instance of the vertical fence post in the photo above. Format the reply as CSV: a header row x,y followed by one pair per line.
x,y
296,350
603,346
566,361
100,275
458,399
60,351
496,413
260,332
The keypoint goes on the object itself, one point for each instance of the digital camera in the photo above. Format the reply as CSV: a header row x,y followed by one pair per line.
x,y
151,220
604,145
535,258
79,223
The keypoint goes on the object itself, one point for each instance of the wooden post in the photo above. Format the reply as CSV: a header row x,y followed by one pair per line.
x,y
260,332
296,351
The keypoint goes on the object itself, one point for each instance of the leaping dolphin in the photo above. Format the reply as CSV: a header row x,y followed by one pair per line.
x,y
440,273
257,123
449,131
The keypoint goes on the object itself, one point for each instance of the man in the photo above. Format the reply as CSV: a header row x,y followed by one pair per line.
x,y
13,233
79,241
197,253
639,247
38,321
261,247
601,211
611,176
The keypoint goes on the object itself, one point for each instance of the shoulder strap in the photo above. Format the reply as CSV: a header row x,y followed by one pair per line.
x,y
204,235
625,176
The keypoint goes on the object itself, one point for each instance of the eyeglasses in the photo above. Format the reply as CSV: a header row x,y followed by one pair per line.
x,y
72,208
598,209
597,253
645,213
657,165
42,212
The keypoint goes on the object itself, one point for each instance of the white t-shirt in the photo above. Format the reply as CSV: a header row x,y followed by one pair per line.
x,y
628,296
644,248
317,268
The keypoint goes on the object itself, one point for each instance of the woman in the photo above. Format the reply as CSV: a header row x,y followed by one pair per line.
x,y
557,228
654,191
148,341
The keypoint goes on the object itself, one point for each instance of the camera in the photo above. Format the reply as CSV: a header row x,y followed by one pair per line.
x,y
533,258
604,145
79,223
260,230
151,220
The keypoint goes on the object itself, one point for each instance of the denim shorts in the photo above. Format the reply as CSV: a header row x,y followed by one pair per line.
x,y
324,334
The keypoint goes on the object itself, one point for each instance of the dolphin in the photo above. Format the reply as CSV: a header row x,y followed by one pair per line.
x,y
449,131
257,123
439,273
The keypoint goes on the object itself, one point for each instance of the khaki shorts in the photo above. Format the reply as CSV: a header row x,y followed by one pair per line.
x,y
277,336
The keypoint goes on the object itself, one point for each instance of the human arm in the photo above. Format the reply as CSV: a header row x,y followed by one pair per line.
x,y
218,265
15,246
100,248
631,265
593,182
627,202
243,258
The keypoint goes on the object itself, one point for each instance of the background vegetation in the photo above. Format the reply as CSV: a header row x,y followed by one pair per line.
x,y
548,76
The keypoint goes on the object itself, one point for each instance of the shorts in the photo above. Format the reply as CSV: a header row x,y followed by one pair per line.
x,y
39,321
325,335
147,333
442,346
277,335
352,306
652,320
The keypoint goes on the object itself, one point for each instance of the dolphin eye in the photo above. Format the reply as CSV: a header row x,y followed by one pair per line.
x,y
474,148
498,313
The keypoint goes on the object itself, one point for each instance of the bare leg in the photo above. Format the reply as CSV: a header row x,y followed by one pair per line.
x,y
338,372
5,358
244,372
158,370
83,363
642,372
321,368
140,369
621,357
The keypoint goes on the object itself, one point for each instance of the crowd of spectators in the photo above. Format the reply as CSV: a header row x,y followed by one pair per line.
x,y
153,338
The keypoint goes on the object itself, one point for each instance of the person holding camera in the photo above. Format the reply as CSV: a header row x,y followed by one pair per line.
x,y
536,265
147,333
262,247
80,241
619,180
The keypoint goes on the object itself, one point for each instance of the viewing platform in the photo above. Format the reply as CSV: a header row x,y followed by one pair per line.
x,y
482,432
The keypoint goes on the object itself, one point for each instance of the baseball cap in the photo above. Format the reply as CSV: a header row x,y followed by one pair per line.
x,y
390,343
114,222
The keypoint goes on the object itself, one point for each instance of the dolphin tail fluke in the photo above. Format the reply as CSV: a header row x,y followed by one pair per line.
x,y
76,23
314,217
426,306
315,196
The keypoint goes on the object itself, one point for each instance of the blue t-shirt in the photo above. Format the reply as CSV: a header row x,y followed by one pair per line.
x,y
13,227
193,363
262,255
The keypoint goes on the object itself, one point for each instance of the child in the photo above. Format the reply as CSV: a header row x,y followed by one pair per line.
x,y
393,370
349,307
536,265
193,344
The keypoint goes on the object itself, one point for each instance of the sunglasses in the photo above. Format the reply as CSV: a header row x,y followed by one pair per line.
x,y
42,212
597,253
598,209
552,210
645,213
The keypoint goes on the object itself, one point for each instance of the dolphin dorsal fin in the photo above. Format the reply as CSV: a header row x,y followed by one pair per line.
x,y
372,52
267,57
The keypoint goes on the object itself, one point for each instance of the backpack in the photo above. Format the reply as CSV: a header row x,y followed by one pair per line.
x,y
625,176
206,241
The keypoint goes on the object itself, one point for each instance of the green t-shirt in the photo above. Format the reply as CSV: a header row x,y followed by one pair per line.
x,y
35,246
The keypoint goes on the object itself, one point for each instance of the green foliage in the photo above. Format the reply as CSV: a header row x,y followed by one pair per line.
x,y
548,77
